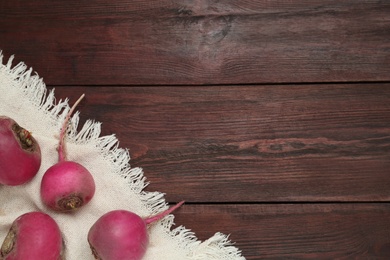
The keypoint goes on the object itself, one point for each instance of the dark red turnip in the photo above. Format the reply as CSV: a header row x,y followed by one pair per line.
x,y
20,154
33,236
122,235
67,185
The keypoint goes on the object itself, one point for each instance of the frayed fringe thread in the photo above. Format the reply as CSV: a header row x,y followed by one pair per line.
x,y
216,247
35,89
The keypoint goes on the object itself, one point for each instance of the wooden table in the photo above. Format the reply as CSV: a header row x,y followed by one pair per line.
x,y
270,118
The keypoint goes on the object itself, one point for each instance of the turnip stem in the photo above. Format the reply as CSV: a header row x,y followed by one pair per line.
x,y
163,214
61,148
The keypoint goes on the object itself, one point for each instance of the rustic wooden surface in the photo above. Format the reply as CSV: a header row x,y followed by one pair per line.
x,y
270,118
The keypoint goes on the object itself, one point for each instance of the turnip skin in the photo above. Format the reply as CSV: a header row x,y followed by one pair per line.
x,y
33,236
20,154
122,235
119,235
67,186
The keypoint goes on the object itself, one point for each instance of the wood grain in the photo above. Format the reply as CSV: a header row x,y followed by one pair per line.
x,y
296,231
199,42
270,118
251,143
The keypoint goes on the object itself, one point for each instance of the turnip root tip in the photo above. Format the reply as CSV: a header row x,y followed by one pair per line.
x,y
163,214
61,148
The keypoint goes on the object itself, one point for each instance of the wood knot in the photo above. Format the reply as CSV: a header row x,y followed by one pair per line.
x,y
215,29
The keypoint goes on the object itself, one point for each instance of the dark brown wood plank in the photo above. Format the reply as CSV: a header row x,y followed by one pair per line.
x,y
300,231
199,42
251,143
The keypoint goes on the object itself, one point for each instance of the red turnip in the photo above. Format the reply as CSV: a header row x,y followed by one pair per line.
x,y
20,154
67,185
33,236
122,235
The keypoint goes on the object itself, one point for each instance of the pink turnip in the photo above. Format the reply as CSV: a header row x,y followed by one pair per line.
x,y
33,236
67,185
20,154
122,235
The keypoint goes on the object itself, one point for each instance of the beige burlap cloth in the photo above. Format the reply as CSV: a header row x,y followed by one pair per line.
x,y
24,97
